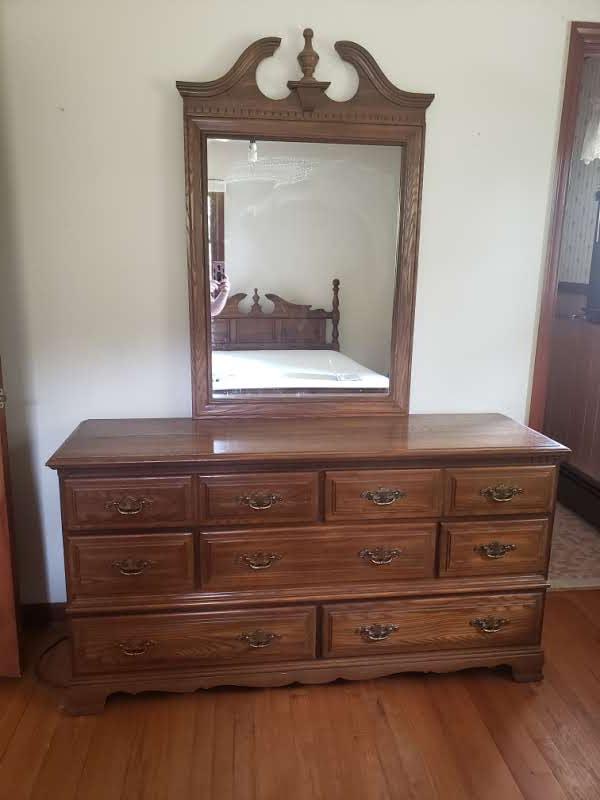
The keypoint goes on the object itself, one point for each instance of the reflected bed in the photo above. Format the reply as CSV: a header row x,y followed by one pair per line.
x,y
264,370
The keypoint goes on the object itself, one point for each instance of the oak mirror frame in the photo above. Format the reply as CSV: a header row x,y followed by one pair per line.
x,y
378,114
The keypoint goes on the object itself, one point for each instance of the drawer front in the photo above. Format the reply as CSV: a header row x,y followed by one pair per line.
x,y
288,558
155,641
445,623
136,564
383,494
127,502
494,548
503,490
261,499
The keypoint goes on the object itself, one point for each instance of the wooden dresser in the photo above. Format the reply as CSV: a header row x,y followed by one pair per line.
x,y
263,552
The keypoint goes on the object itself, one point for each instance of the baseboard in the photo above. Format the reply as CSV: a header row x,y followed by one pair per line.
x,y
580,493
38,614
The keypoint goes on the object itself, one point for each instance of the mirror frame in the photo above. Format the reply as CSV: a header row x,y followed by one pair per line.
x,y
378,113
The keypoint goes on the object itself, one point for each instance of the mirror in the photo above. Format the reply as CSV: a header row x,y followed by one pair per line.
x,y
302,254
303,227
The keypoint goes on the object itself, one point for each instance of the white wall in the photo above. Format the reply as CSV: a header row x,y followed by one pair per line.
x,y
308,212
94,287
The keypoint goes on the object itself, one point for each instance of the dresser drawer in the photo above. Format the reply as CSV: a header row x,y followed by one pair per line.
x,y
383,494
444,623
500,490
154,641
493,548
127,502
131,564
261,499
289,557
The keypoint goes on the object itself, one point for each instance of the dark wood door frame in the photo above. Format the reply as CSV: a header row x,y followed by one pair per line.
x,y
10,662
584,42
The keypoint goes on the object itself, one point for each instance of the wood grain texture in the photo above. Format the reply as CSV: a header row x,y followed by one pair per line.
x,y
288,326
346,498
573,404
239,500
466,548
130,503
584,42
434,737
467,491
126,644
135,565
427,624
151,442
186,635
10,661
378,113
324,555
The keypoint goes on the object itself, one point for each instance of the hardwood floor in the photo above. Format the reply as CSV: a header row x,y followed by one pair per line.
x,y
453,737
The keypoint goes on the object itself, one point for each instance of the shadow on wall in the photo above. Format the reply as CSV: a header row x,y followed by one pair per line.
x,y
13,352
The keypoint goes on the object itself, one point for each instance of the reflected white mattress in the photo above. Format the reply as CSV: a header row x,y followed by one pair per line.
x,y
291,369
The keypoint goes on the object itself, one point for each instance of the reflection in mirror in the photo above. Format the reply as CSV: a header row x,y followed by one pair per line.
x,y
302,246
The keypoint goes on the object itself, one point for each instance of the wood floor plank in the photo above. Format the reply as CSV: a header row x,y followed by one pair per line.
x,y
65,758
303,730
29,745
412,701
281,773
400,762
202,766
502,707
469,736
180,745
481,763
146,777
114,741
360,756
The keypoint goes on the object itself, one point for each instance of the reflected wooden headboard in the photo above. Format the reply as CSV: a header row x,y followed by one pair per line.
x,y
289,326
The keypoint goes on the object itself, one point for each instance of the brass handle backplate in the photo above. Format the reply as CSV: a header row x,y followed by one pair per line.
x,y
494,549
259,638
376,632
260,501
489,624
380,555
128,505
136,648
133,566
501,493
259,560
383,497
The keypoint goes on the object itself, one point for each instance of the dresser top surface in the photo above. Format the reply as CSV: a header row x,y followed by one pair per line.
x,y
164,441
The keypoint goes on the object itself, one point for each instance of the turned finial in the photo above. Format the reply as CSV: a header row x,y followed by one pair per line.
x,y
256,308
308,89
308,57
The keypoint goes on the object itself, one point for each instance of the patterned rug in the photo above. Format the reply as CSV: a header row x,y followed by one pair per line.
x,y
575,559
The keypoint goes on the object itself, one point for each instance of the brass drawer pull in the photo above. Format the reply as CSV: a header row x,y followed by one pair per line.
x,y
259,638
133,566
383,497
260,501
136,648
489,624
128,505
259,560
376,632
494,549
501,493
380,555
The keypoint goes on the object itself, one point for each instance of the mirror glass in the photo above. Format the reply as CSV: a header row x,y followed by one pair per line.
x,y
302,250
